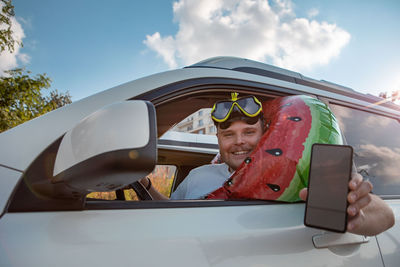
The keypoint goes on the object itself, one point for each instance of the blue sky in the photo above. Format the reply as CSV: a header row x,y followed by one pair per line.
x,y
86,46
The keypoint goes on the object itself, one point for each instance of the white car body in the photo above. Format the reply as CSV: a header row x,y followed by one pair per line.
x,y
178,233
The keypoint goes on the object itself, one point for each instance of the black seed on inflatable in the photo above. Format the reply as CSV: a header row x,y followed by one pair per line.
x,y
274,187
229,182
247,160
275,152
296,119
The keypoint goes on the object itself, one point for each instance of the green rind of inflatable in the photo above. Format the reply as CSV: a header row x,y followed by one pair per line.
x,y
324,130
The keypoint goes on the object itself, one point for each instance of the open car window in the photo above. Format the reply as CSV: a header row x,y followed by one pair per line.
x,y
187,148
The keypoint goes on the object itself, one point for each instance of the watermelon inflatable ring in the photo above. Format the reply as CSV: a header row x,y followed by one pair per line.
x,y
278,167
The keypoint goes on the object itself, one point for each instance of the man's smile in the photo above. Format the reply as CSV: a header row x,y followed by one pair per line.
x,y
238,153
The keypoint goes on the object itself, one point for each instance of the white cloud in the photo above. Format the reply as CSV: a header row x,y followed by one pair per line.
x,y
10,60
24,58
252,29
165,47
313,12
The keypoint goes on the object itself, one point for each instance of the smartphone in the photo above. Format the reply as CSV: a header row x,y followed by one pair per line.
x,y
328,187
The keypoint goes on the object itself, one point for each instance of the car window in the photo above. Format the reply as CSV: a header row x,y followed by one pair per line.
x,y
161,178
376,143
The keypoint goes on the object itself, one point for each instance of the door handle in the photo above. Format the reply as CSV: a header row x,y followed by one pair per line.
x,y
326,240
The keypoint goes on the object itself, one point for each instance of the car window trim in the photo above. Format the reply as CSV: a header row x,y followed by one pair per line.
x,y
160,204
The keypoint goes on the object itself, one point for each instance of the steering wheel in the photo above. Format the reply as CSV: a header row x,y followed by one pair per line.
x,y
141,191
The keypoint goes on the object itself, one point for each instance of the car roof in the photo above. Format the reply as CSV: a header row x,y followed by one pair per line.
x,y
22,144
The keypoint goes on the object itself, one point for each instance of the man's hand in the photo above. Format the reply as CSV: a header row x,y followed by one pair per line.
x,y
368,214
358,198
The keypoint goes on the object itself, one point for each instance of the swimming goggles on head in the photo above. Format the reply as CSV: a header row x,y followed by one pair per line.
x,y
250,106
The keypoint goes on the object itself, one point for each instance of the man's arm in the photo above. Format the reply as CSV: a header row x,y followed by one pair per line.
x,y
368,213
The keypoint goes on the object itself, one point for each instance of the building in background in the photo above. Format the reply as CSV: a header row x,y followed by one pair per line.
x,y
199,122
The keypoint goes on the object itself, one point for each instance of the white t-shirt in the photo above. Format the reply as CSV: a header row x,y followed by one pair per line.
x,y
202,181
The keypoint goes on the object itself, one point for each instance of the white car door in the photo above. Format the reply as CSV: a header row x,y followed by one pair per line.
x,y
211,234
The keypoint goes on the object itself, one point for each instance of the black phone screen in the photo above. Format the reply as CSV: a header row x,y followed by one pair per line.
x,y
330,172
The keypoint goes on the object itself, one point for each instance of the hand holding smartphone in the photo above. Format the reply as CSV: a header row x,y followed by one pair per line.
x,y
328,187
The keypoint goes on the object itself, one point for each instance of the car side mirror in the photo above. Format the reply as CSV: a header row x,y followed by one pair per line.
x,y
111,148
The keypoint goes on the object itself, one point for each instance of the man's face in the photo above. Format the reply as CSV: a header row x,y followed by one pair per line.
x,y
238,141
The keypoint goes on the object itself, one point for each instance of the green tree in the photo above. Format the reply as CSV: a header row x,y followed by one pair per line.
x,y
21,96
6,39
394,96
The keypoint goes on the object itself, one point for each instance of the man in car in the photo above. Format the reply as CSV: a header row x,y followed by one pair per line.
x,y
239,128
